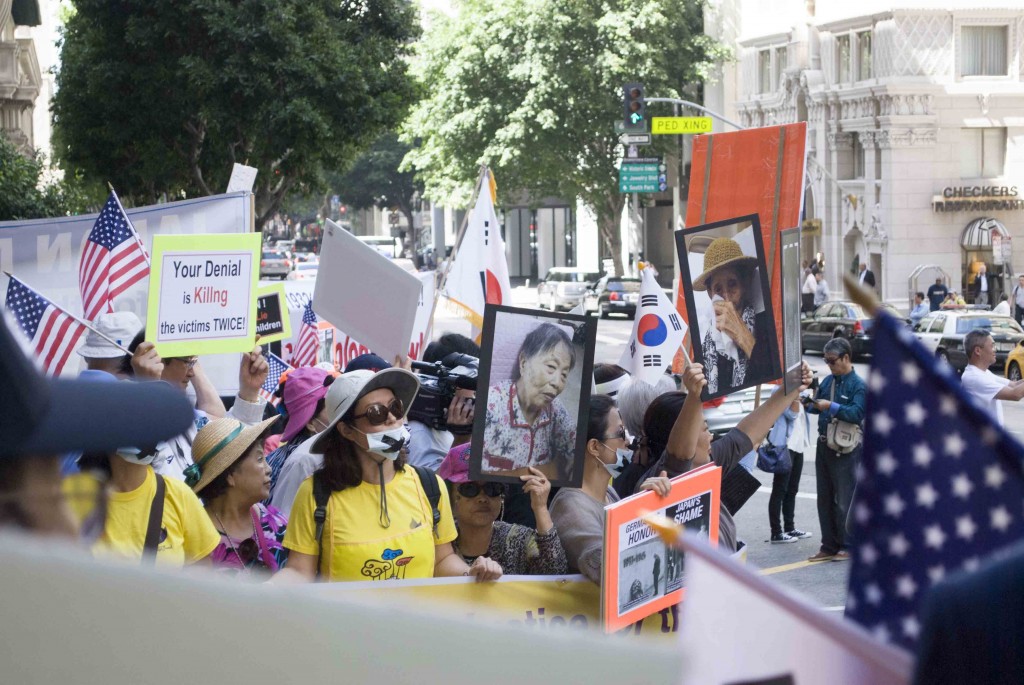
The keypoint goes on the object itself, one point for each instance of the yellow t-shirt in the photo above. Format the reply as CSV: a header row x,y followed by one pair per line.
x,y
357,546
187,535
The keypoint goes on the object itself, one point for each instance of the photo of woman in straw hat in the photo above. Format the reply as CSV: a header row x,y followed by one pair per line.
x,y
731,319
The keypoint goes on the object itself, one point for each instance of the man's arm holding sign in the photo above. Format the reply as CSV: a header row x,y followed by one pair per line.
x,y
252,373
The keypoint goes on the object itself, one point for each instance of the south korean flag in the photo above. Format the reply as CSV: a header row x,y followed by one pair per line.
x,y
658,331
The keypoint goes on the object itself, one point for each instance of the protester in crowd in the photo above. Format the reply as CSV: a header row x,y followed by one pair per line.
x,y
525,415
820,289
841,397
303,392
937,293
234,477
99,349
377,516
807,290
632,404
792,431
578,513
477,505
980,383
429,446
920,310
1018,300
982,286
676,430
610,379
953,301
1003,307
736,340
175,457
44,418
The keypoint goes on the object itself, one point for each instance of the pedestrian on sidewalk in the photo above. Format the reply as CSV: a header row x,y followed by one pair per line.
x,y
1018,300
793,431
841,402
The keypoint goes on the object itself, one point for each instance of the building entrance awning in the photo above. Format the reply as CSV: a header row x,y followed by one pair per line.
x,y
978,234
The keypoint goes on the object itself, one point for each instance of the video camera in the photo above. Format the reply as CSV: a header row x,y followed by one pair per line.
x,y
438,383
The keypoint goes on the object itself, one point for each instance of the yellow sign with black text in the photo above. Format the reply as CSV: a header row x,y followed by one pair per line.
x,y
680,125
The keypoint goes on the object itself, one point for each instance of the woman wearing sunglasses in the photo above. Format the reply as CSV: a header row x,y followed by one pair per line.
x,y
234,478
377,519
477,504
579,512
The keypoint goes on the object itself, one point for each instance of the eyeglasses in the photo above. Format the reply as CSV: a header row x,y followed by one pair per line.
x,y
472,489
189,362
377,413
832,360
620,434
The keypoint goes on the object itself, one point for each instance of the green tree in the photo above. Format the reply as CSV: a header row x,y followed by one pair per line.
x,y
160,97
533,88
376,181
24,194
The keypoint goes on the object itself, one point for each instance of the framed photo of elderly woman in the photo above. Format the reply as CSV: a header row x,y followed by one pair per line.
x,y
732,324
534,388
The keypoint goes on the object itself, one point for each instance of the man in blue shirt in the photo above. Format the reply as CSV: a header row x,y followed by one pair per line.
x,y
936,294
920,309
842,396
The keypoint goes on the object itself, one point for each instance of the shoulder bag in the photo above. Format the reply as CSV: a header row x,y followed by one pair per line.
x,y
842,437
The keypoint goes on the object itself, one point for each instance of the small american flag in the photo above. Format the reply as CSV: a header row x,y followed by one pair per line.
x,y
308,348
52,332
113,260
277,369
939,488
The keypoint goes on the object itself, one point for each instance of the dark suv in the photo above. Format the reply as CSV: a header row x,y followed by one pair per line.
x,y
613,295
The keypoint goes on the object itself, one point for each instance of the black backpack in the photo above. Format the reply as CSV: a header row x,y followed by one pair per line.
x,y
321,494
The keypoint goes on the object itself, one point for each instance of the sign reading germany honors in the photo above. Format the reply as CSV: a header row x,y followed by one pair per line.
x,y
202,293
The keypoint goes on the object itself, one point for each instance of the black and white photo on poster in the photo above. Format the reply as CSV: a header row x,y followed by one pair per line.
x,y
732,324
531,389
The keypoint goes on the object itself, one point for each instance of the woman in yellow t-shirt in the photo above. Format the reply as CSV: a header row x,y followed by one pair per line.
x,y
379,523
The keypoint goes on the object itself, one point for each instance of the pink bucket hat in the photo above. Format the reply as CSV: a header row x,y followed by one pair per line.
x,y
303,388
455,466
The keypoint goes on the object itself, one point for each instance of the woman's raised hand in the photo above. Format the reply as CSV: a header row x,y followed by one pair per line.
x,y
539,487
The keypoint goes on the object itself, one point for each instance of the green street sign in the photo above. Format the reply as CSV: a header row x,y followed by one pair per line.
x,y
680,125
642,175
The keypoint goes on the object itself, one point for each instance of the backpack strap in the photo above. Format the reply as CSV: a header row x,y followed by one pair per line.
x,y
321,495
156,517
433,492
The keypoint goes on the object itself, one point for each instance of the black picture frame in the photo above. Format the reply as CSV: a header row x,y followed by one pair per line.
x,y
764,366
791,283
504,330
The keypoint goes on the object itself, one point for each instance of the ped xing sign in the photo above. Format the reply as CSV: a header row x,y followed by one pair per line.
x,y
680,125
642,175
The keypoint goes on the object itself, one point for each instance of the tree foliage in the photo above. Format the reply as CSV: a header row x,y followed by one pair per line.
x,y
376,181
533,88
26,194
160,97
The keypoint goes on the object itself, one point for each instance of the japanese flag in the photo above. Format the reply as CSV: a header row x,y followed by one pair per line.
x,y
658,331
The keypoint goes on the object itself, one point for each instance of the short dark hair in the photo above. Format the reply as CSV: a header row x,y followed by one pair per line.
x,y
920,294
839,347
448,343
600,407
608,372
658,421
544,337
974,340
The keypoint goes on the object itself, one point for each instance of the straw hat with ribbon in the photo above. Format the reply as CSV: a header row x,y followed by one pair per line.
x,y
722,252
217,446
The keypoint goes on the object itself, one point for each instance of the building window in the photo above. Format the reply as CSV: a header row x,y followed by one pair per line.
x,y
764,70
864,55
983,152
781,62
843,59
858,158
983,50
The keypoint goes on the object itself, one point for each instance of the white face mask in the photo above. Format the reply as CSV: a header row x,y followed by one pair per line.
x,y
622,457
132,455
387,443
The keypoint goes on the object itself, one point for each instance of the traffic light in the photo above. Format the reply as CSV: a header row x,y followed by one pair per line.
x,y
633,106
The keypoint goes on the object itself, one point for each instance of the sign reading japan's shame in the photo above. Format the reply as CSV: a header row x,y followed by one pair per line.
x,y
203,293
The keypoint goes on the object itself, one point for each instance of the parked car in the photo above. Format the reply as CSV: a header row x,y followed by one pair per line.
x,y
304,271
564,287
1015,362
275,264
613,295
841,318
943,333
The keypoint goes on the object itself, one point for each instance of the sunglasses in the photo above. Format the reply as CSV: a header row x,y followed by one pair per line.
x,y
470,490
377,413
620,434
831,360
248,552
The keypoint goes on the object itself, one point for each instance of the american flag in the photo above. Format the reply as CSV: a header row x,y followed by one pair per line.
x,y
277,369
52,332
307,351
113,260
940,486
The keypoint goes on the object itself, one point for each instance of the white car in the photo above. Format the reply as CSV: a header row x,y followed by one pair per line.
x,y
943,333
304,271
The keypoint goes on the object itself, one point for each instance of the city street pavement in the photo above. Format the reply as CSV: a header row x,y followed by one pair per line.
x,y
823,583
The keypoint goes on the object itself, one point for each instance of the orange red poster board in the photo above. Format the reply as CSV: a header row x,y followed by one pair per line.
x,y
758,170
641,575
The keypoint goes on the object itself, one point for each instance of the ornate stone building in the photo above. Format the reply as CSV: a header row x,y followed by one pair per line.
x,y
915,128
20,76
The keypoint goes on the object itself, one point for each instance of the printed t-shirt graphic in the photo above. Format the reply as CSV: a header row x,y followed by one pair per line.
x,y
357,546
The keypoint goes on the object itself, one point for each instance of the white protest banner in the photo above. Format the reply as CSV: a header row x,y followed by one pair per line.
x,y
242,178
365,294
202,295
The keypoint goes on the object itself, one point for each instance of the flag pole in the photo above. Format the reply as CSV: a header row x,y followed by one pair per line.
x,y
455,250
130,225
85,323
